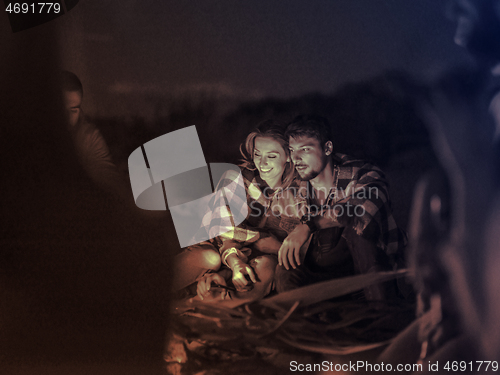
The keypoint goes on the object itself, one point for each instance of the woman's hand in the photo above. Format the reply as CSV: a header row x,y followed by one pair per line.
x,y
240,270
204,285
289,254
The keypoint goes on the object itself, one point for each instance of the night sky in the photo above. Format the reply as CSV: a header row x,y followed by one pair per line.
x,y
248,49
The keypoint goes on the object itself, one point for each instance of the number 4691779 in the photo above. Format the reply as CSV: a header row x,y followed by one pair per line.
x,y
471,366
33,8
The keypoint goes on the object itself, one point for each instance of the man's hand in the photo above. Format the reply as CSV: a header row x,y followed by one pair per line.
x,y
268,245
289,254
204,285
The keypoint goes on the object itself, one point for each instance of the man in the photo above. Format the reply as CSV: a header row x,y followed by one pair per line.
x,y
350,218
91,148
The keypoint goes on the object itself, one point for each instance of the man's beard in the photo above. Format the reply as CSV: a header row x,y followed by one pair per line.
x,y
309,176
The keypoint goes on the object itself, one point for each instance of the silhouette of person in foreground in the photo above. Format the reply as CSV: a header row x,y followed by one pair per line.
x,y
456,213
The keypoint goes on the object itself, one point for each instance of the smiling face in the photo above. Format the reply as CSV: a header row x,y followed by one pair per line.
x,y
270,159
308,156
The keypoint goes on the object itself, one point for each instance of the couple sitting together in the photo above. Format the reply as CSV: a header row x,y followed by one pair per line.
x,y
313,215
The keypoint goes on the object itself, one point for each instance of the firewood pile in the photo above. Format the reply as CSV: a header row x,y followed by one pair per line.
x,y
210,339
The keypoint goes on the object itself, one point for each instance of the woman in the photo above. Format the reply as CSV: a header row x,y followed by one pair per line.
x,y
248,250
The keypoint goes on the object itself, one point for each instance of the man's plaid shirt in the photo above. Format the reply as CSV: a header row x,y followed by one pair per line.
x,y
364,187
